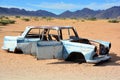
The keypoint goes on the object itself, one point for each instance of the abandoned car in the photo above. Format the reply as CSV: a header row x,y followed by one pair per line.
x,y
61,42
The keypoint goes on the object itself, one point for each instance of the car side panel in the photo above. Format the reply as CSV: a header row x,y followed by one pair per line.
x,y
27,46
10,43
49,50
86,50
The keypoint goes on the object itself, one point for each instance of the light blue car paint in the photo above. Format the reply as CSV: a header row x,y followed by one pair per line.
x,y
10,43
85,49
26,31
61,49
48,50
106,44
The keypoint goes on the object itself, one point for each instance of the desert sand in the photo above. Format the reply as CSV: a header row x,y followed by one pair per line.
x,y
26,67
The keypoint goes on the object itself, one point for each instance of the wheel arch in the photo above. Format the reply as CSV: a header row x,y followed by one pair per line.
x,y
76,56
15,50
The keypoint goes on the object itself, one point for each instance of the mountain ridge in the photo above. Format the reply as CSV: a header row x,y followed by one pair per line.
x,y
17,11
112,12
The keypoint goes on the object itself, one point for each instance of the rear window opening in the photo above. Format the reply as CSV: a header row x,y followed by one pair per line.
x,y
34,33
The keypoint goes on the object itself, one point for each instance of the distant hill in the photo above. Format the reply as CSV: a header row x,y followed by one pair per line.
x,y
17,11
112,12
84,13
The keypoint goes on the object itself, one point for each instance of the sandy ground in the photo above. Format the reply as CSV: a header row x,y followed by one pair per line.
x,y
25,67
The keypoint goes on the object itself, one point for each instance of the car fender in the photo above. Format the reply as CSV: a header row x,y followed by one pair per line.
x,y
85,49
105,43
10,43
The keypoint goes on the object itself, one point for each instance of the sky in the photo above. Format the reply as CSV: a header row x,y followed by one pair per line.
x,y
59,6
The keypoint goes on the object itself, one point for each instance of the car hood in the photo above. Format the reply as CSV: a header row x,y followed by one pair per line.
x,y
105,43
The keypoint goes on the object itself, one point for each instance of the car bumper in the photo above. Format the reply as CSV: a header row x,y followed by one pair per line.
x,y
4,48
99,59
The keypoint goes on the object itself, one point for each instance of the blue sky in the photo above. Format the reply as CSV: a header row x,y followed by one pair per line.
x,y
59,6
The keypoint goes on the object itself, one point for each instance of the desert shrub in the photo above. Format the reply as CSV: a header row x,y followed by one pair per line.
x,y
26,19
4,17
5,22
17,16
113,21
12,21
36,18
63,18
82,20
74,18
0,17
92,19
44,17
47,18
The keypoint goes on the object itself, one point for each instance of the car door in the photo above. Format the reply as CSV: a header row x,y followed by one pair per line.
x,y
49,49
28,44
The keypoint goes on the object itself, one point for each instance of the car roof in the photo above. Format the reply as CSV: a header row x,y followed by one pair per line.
x,y
50,27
